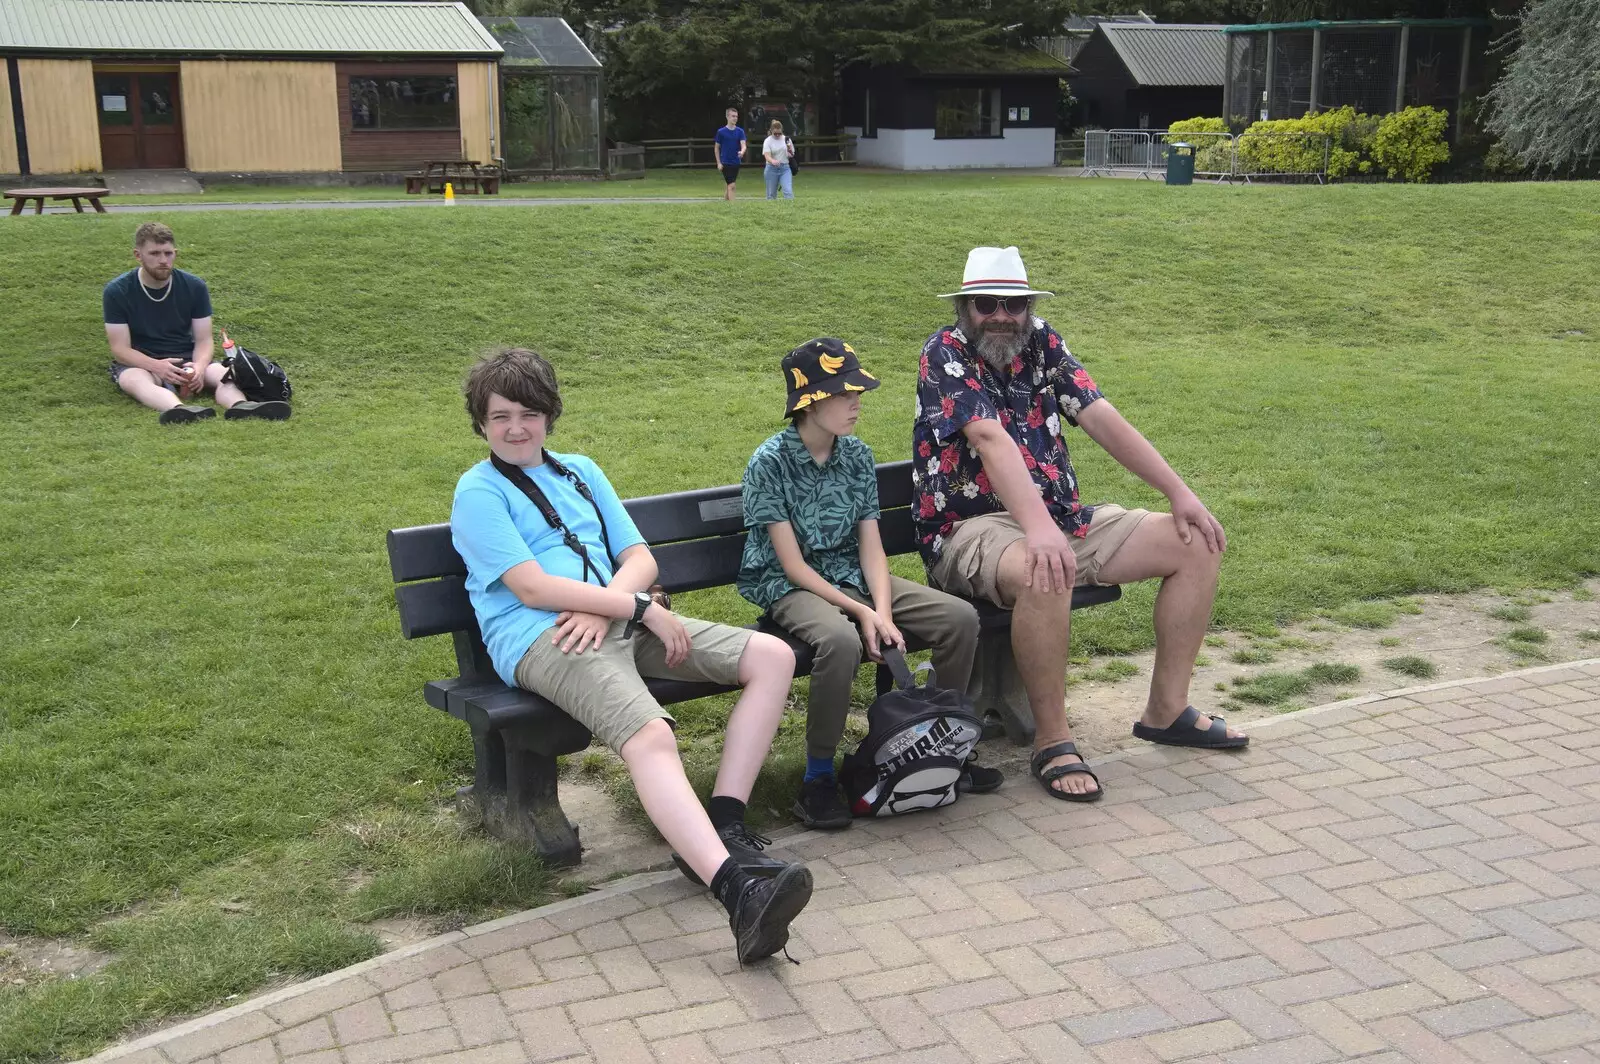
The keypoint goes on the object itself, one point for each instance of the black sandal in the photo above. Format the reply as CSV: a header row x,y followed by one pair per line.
x,y
1181,733
1047,776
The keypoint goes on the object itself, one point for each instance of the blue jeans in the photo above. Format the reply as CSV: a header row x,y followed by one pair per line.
x,y
779,176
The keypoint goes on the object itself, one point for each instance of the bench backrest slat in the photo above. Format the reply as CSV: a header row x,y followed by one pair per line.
x,y
697,538
434,607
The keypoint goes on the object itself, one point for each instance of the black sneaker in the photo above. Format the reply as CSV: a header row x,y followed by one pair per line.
x,y
271,410
976,779
761,917
182,415
821,806
744,846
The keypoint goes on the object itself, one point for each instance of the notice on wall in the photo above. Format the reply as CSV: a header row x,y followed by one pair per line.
x,y
1025,111
113,103
1011,114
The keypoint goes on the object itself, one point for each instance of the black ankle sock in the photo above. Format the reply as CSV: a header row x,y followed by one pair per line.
x,y
725,811
729,883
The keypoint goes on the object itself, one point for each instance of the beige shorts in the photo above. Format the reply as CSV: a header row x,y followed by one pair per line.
x,y
604,689
969,565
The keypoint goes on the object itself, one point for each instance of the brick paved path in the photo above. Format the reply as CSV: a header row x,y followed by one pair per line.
x,y
1415,878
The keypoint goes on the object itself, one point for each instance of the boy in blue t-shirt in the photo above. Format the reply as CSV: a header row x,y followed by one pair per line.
x,y
731,145
814,561
571,620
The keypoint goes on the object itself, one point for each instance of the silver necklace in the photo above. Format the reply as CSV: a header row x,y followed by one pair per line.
x,y
164,292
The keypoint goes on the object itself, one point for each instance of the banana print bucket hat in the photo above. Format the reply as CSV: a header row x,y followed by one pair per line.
x,y
821,368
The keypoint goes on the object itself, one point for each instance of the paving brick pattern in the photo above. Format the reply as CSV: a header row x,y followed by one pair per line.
x,y
1416,878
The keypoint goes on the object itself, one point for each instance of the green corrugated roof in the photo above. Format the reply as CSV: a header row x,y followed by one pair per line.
x,y
243,27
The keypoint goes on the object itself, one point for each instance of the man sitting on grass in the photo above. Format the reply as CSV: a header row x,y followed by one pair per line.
x,y
558,576
158,321
997,513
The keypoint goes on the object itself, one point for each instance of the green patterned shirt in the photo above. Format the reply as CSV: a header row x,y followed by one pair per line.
x,y
822,503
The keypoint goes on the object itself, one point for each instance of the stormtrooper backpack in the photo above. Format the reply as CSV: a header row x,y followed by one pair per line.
x,y
917,740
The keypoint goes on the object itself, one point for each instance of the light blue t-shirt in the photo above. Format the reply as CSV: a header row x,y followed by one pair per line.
x,y
495,528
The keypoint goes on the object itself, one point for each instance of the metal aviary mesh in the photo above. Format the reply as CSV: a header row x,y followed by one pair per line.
x,y
1359,67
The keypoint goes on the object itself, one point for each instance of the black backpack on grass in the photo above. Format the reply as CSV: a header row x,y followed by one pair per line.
x,y
258,377
917,740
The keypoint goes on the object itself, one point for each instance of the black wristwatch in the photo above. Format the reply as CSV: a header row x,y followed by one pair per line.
x,y
641,602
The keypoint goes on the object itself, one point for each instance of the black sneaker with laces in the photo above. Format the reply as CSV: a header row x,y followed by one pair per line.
x,y
745,847
761,915
976,779
820,805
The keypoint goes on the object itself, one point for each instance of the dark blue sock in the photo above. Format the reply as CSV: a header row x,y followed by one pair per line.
x,y
818,768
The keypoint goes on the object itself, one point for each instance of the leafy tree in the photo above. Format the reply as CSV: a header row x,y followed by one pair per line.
x,y
1546,108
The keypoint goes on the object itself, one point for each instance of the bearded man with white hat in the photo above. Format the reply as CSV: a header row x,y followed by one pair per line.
x,y
998,517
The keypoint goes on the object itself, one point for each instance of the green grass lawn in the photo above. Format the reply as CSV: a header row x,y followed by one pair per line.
x,y
674,182
215,762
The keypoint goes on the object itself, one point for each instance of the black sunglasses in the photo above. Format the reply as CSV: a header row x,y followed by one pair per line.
x,y
1015,305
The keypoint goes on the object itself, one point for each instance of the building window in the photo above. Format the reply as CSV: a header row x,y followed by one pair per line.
x,y
404,102
967,112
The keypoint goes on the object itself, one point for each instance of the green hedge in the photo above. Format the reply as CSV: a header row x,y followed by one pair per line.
x,y
1407,144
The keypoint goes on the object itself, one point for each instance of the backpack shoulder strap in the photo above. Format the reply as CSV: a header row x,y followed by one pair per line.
x,y
547,510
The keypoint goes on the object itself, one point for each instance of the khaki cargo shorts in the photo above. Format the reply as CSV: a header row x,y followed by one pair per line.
x,y
969,565
604,689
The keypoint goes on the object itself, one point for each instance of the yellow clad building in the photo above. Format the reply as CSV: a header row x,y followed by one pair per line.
x,y
248,87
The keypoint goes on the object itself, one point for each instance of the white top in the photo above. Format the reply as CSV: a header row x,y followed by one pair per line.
x,y
777,147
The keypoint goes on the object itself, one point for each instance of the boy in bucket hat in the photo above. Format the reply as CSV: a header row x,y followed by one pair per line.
x,y
814,561
997,514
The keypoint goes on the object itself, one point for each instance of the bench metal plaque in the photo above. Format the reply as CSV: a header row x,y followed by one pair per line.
x,y
722,509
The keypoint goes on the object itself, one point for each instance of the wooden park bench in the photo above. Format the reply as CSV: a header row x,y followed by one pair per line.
x,y
21,196
697,538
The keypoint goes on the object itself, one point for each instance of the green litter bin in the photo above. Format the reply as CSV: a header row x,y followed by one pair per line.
x,y
1180,163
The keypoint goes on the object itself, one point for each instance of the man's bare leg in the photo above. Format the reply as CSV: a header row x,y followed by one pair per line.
x,y
1188,575
143,386
226,393
1041,635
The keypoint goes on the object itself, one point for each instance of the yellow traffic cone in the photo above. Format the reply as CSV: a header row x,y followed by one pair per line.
x,y
449,192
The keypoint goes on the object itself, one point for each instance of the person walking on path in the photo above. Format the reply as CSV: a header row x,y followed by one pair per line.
x,y
776,150
997,515
158,323
814,561
730,148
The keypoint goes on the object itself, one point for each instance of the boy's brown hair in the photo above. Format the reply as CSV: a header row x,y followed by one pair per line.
x,y
153,233
518,374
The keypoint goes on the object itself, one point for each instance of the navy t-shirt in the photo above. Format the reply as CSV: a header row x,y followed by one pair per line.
x,y
728,141
159,329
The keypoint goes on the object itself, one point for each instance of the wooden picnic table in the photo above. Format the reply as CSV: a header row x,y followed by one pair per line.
x,y
21,196
467,175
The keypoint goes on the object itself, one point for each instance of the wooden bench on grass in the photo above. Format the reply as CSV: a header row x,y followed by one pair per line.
x,y
697,538
21,196
466,176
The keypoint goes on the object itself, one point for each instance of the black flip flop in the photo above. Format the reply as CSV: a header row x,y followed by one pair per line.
x,y
1047,776
1181,733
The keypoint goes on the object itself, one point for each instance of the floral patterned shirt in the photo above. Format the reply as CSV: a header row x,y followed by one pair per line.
x,y
822,503
1042,386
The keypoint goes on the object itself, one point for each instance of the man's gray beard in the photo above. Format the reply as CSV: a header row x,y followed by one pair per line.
x,y
998,349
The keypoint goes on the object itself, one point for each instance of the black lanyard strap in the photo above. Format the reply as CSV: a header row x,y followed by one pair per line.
x,y
536,495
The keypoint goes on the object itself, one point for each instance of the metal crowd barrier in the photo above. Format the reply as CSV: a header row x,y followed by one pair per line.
x,y
1222,157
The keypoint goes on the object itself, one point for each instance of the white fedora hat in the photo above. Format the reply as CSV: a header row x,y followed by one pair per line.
x,y
995,272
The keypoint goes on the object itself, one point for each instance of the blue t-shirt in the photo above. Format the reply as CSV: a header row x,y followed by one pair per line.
x,y
728,141
160,322
495,528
